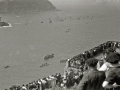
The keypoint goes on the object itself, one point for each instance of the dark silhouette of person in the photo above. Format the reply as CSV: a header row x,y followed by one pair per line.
x,y
93,79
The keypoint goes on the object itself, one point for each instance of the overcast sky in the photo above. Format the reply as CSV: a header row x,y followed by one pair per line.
x,y
77,2
60,4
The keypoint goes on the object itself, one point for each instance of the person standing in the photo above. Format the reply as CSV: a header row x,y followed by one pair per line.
x,y
93,79
112,80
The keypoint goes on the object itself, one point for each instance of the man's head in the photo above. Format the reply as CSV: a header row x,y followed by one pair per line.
x,y
92,62
113,58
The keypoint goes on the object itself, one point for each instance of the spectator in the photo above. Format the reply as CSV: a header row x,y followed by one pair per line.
x,y
23,87
105,66
113,74
93,79
117,50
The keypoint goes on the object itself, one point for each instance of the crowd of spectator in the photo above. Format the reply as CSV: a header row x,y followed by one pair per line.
x,y
40,84
105,49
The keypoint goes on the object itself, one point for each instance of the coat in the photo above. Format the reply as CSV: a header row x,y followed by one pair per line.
x,y
92,80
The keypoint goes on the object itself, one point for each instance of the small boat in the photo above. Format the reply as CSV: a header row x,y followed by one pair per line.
x,y
43,65
6,66
48,56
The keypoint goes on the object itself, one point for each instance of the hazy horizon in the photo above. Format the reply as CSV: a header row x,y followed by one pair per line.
x,y
99,7
68,4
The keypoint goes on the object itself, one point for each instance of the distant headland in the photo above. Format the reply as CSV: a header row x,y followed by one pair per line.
x,y
25,6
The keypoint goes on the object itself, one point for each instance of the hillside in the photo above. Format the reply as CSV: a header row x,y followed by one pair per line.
x,y
17,6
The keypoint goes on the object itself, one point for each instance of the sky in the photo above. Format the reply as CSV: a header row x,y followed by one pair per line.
x,y
61,3
73,4
66,3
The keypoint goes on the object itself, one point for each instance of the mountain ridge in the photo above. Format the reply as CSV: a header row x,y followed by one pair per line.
x,y
18,6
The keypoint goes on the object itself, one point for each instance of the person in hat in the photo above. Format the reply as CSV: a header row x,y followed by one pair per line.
x,y
93,79
106,64
113,74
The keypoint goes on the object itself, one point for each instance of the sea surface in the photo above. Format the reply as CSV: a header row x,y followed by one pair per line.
x,y
62,33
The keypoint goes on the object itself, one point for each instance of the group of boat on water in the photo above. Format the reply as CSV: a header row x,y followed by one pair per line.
x,y
73,71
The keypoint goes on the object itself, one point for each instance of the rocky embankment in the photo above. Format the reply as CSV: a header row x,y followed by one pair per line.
x,y
18,6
